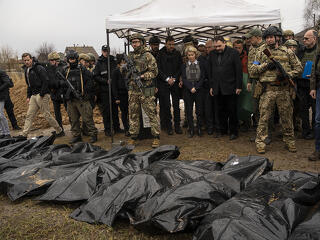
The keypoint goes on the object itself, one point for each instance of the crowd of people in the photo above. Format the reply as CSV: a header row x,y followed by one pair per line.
x,y
264,78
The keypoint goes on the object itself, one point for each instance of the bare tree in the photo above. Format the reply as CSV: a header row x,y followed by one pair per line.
x,y
43,51
311,13
8,58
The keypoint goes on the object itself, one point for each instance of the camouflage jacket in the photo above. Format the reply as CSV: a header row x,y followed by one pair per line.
x,y
252,56
145,64
284,56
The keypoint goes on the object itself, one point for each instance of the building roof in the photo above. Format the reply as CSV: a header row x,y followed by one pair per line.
x,y
82,49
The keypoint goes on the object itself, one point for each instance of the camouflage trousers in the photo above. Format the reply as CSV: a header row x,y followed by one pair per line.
x,y
77,108
268,101
137,99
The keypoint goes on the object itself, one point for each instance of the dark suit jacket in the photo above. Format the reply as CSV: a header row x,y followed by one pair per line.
x,y
226,76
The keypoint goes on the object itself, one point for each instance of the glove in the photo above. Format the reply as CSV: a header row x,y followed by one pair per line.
x,y
271,66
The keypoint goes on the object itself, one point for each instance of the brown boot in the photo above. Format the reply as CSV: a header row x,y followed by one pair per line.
x,y
291,148
315,156
131,141
155,143
261,150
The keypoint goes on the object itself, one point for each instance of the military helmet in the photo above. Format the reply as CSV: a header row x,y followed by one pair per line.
x,y
84,57
91,56
288,33
53,56
154,40
291,42
272,30
72,54
137,36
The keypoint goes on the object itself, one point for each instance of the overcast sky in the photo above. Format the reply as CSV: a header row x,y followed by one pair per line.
x,y
25,24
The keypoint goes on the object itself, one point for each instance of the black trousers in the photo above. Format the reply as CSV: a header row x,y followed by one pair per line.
x,y
8,105
124,110
104,108
226,112
57,111
209,109
165,105
190,99
305,102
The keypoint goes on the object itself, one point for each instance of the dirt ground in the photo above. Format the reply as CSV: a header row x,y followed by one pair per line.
x,y
29,219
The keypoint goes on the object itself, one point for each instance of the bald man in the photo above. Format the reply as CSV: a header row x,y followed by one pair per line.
x,y
303,84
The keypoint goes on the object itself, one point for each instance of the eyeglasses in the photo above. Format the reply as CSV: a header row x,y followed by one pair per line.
x,y
305,38
133,42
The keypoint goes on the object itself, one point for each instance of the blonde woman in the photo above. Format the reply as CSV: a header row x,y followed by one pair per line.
x,y
193,74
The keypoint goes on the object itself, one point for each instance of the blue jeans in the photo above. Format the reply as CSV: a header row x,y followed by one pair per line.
x,y
317,121
4,128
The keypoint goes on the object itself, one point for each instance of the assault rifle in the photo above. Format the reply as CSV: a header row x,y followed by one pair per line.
x,y
283,73
76,94
132,70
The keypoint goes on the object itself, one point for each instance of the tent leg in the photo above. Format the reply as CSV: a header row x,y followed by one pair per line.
x,y
128,44
110,82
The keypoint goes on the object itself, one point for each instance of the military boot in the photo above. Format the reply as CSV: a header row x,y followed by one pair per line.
x,y
291,147
75,139
93,139
315,156
156,142
260,150
132,140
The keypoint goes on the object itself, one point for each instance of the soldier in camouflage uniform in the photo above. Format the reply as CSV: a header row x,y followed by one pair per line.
x,y
276,90
92,62
255,37
146,64
79,106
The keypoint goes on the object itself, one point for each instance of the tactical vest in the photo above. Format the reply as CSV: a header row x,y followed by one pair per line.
x,y
141,63
281,55
193,72
75,76
308,56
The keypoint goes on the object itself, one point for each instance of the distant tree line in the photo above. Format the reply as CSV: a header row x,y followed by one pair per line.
x,y
312,13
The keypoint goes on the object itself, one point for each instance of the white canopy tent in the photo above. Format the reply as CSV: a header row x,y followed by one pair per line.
x,y
200,18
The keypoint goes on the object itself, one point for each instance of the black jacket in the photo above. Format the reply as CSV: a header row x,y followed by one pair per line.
x,y
56,91
187,83
169,64
5,84
100,73
119,84
205,62
225,77
73,75
38,81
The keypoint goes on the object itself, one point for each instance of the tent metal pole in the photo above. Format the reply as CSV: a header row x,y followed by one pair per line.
x,y
110,82
128,44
